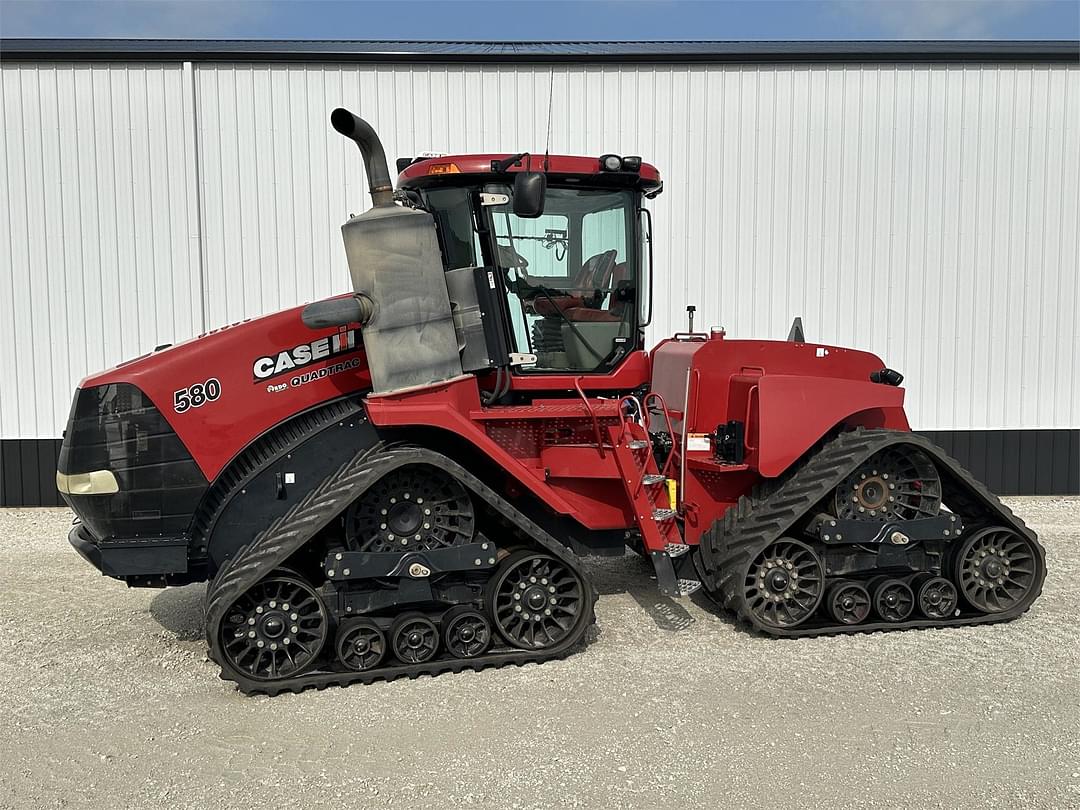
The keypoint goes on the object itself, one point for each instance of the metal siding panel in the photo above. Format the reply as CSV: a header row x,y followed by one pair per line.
x,y
94,238
1058,465
45,467
1001,476
1044,460
27,470
1074,461
12,476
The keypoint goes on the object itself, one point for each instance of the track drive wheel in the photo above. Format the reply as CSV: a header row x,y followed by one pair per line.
x,y
276,629
936,597
536,600
897,483
893,599
412,508
466,632
784,584
848,602
361,645
997,569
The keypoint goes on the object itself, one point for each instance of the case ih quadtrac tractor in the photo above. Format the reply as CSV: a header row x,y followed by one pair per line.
x,y
399,481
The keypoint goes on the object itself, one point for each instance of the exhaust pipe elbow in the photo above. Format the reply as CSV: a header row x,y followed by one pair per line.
x,y
360,131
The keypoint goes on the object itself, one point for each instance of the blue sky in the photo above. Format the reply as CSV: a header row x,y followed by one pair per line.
x,y
544,19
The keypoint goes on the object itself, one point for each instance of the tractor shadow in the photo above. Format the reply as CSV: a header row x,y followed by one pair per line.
x,y
633,575
180,611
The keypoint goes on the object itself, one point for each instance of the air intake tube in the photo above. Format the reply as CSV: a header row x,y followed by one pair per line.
x,y
378,176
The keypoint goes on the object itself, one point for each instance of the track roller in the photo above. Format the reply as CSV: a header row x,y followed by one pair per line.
x,y
848,602
936,597
361,645
466,632
893,599
414,638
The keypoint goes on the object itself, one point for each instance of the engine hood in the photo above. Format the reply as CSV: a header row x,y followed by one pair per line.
x,y
222,389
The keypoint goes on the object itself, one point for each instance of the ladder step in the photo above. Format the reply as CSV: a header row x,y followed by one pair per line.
x,y
653,478
663,514
637,444
676,549
688,586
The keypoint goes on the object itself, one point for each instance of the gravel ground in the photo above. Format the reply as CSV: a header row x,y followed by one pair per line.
x,y
110,702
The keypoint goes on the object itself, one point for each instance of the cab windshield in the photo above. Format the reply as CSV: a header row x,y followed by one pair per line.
x,y
569,275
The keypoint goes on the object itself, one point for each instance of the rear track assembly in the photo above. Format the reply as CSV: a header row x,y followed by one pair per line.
x,y
748,558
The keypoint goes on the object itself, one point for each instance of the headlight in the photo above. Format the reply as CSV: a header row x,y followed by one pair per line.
x,y
98,482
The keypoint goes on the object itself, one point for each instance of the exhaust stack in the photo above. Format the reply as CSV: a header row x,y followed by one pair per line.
x,y
360,131
398,281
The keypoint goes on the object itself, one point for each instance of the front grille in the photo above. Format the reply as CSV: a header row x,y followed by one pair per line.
x,y
116,427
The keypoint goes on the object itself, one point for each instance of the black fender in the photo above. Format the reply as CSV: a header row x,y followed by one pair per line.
x,y
275,472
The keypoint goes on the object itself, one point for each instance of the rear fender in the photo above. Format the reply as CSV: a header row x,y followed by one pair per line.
x,y
795,412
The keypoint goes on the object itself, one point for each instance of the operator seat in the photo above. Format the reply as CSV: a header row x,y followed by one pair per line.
x,y
614,309
595,274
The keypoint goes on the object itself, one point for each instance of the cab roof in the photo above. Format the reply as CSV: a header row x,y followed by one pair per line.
x,y
446,169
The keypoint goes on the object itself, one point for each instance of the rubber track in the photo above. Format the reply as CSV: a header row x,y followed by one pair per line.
x,y
316,510
732,542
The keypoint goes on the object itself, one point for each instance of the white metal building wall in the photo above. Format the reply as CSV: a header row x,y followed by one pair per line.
x,y
100,257
928,213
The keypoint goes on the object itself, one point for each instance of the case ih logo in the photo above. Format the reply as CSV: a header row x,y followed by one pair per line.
x,y
305,354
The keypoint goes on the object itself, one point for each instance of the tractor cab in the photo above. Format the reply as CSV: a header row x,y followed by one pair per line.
x,y
564,253
505,263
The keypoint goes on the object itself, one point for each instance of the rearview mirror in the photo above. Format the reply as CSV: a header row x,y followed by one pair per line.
x,y
529,191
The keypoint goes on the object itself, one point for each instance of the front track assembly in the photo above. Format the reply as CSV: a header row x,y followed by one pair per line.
x,y
876,530
445,600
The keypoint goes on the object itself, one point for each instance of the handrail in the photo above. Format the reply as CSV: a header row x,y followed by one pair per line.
x,y
592,415
667,424
629,399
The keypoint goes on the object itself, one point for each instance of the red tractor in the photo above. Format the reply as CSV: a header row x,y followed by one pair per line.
x,y
399,481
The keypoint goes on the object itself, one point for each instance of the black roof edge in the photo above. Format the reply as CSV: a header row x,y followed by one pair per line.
x,y
253,50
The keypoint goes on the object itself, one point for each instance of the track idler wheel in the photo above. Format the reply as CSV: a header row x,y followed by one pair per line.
x,y
466,632
893,599
996,569
414,638
536,600
848,602
784,584
276,629
936,597
361,645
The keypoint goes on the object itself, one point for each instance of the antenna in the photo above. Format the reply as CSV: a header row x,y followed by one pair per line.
x,y
551,94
